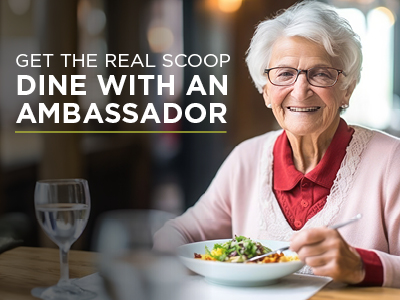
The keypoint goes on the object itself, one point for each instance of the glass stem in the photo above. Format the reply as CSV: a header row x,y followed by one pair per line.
x,y
64,268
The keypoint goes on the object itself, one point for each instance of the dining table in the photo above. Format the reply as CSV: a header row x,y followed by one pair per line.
x,y
24,268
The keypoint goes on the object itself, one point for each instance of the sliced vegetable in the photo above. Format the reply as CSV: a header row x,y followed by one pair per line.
x,y
238,249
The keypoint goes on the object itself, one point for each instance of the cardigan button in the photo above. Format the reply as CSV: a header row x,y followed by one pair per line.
x,y
298,223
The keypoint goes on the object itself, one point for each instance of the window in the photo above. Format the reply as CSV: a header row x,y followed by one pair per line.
x,y
372,101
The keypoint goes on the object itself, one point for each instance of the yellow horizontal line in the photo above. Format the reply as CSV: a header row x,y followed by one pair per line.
x,y
120,131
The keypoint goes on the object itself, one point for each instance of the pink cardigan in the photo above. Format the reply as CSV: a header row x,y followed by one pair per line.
x,y
240,200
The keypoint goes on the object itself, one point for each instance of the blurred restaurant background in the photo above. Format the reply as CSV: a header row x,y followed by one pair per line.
x,y
163,171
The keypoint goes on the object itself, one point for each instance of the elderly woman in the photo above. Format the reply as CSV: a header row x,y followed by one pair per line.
x,y
293,183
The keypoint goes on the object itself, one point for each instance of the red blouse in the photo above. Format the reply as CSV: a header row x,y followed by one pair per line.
x,y
301,196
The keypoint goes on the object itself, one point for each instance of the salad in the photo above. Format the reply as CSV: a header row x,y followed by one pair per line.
x,y
236,250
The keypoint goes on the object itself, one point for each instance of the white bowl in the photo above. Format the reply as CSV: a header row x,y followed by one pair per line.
x,y
237,274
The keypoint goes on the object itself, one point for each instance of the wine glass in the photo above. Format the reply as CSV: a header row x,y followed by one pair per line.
x,y
62,209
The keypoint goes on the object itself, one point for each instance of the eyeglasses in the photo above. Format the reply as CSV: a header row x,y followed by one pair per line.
x,y
317,76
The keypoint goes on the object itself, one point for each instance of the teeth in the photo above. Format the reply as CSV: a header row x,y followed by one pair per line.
x,y
304,109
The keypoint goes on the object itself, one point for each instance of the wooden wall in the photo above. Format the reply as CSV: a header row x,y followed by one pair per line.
x,y
249,116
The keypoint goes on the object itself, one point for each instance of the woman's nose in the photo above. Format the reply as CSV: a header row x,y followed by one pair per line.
x,y
301,88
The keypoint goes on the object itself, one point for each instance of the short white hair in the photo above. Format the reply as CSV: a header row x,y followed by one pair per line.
x,y
315,21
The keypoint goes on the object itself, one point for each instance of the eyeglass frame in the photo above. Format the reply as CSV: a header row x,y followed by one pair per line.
x,y
306,72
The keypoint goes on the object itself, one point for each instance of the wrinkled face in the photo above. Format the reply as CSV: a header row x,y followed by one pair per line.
x,y
303,109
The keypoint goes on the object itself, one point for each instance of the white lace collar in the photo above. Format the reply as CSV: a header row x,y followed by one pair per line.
x,y
273,224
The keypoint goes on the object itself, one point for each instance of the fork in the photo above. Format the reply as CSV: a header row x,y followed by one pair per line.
x,y
280,250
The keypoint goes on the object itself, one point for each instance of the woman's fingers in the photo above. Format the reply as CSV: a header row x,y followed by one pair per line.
x,y
312,250
309,237
348,271
328,254
316,261
328,269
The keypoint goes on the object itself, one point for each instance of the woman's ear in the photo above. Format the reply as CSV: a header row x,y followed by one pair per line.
x,y
267,100
349,91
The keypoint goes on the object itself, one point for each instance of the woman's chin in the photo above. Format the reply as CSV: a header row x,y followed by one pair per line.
x,y
305,129
302,126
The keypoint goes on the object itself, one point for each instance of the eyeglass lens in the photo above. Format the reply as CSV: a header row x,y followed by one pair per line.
x,y
318,76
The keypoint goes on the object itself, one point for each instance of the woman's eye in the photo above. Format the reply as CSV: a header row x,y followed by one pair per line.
x,y
322,74
285,74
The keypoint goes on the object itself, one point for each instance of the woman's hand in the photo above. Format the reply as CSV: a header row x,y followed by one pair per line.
x,y
328,254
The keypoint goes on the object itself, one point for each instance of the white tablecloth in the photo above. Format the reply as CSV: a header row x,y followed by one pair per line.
x,y
195,287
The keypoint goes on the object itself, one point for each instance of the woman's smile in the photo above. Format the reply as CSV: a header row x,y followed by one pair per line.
x,y
309,109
